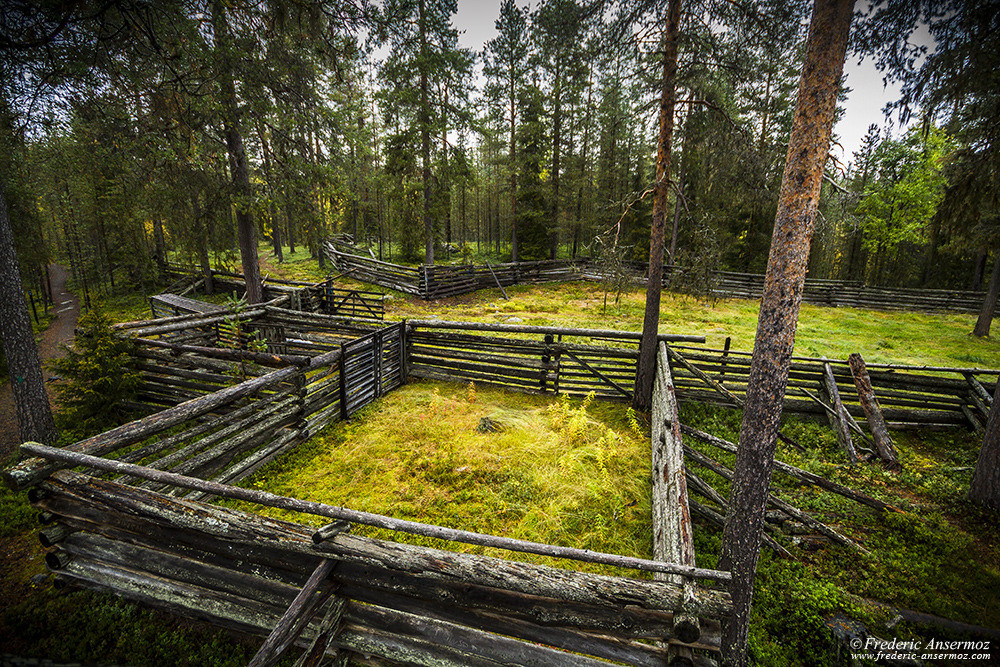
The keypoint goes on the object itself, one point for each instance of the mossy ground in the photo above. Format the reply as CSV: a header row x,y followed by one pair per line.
x,y
575,473
571,474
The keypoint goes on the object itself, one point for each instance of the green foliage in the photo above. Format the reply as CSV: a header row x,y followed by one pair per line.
x,y
98,376
16,514
532,207
105,629
787,625
559,471
905,189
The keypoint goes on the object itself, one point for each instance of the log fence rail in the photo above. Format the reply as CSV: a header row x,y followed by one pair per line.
x,y
442,281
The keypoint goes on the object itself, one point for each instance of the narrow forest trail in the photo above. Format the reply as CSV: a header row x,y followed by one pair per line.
x,y
67,312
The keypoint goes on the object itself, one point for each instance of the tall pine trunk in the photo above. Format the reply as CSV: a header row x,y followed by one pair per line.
x,y
425,136
646,366
985,487
556,155
808,147
34,416
239,169
989,303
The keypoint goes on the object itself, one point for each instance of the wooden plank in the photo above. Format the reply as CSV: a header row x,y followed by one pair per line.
x,y
838,418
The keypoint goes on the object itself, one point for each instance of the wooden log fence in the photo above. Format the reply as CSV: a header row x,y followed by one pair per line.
x,y
241,571
350,303
909,396
853,294
442,281
135,520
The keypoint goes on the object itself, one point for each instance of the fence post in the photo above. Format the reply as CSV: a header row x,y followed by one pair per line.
x,y
343,381
725,355
546,359
404,353
377,342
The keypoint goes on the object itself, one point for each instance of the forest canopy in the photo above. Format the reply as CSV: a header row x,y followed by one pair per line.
x,y
135,132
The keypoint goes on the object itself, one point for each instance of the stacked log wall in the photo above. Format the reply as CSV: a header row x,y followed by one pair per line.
x,y
578,362
402,603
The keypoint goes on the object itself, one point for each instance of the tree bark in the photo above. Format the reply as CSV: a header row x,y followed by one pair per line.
x,y
512,158
239,168
556,154
34,416
645,371
989,303
159,246
425,136
985,487
978,269
808,148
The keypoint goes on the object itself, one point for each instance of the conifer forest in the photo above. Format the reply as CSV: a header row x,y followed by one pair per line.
x,y
486,256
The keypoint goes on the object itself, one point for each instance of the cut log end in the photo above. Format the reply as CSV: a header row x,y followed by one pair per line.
x,y
687,628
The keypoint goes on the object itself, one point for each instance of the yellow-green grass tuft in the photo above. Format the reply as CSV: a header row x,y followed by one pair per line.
x,y
564,472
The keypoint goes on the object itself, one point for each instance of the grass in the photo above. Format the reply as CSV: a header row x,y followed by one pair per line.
x,y
881,337
575,473
571,473
559,472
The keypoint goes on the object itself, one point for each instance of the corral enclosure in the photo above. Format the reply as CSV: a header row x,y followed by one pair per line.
x,y
144,530
137,522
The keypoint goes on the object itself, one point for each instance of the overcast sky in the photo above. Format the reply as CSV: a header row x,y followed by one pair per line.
x,y
862,108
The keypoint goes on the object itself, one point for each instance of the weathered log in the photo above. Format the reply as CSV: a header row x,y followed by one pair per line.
x,y
201,374
365,518
330,531
876,422
672,536
251,464
838,418
777,502
314,656
627,394
564,331
566,638
851,423
275,360
973,420
30,471
53,534
795,473
160,329
238,419
978,388
719,520
279,571
290,626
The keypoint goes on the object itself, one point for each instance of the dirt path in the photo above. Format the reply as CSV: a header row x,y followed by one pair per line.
x,y
67,312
